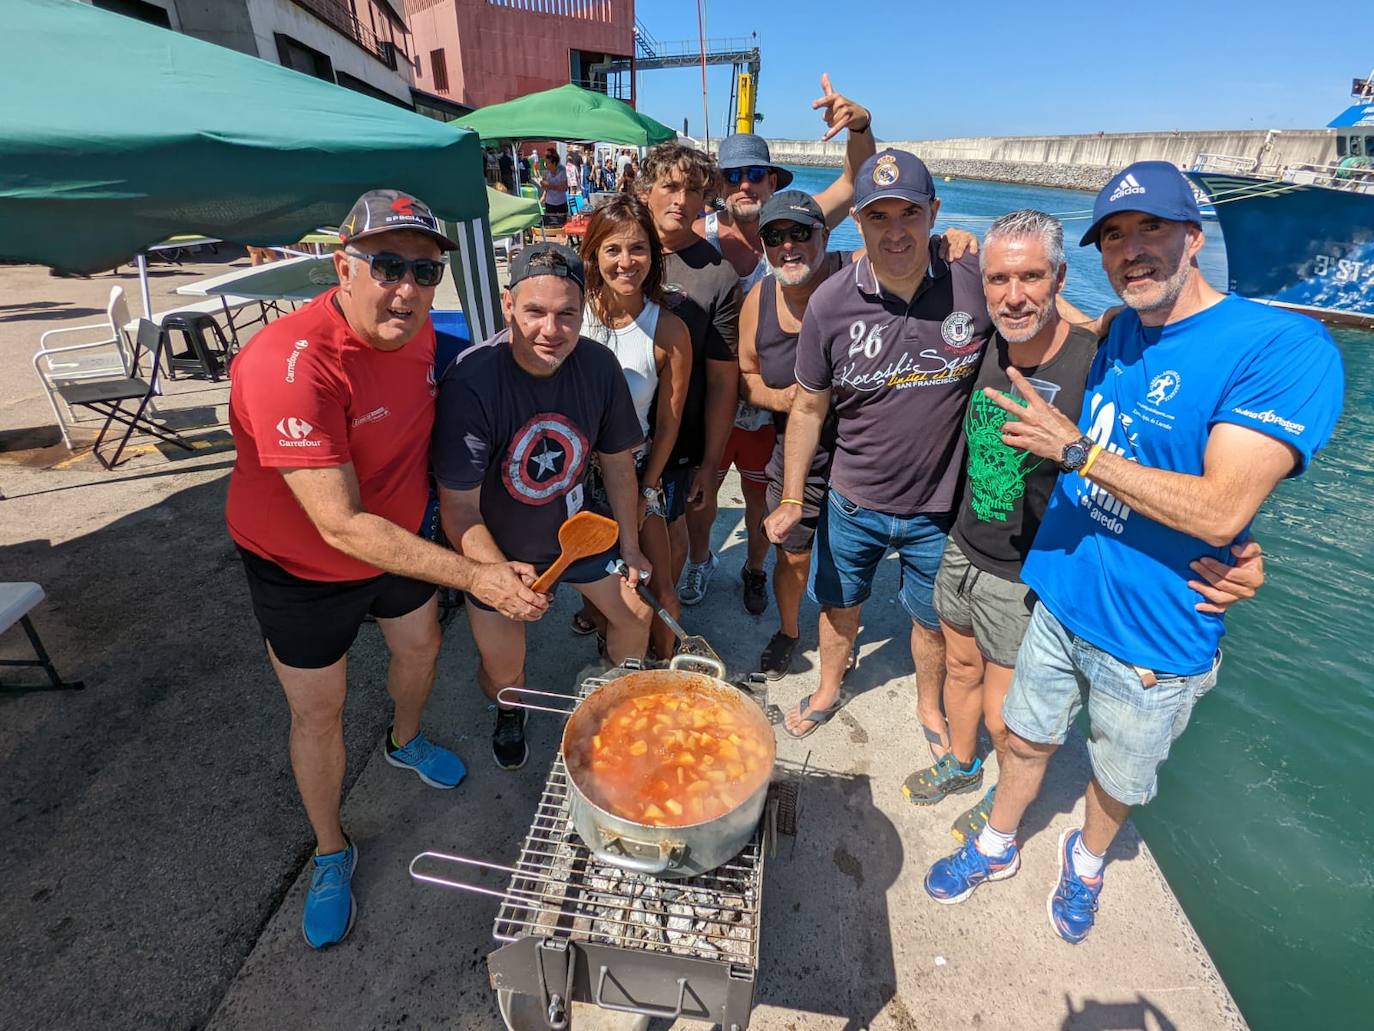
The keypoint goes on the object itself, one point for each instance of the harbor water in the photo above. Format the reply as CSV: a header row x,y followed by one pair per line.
x,y
1264,824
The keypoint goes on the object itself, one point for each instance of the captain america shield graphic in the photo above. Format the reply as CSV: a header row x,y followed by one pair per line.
x,y
546,459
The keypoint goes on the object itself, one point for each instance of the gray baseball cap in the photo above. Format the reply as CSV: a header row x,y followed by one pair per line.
x,y
791,206
569,265
383,211
744,149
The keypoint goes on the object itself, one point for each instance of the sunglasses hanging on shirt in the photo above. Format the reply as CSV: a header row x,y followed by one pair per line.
x,y
390,269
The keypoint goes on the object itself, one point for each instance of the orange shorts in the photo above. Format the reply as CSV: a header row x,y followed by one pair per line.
x,y
749,452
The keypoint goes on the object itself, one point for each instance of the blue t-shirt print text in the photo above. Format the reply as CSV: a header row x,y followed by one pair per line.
x,y
1118,579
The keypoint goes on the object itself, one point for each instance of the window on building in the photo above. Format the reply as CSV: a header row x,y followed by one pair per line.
x,y
439,70
295,54
151,13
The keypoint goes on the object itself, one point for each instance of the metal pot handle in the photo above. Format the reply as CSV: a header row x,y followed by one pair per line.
x,y
699,664
646,1011
511,696
625,861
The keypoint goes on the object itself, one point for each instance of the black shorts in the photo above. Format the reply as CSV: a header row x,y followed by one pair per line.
x,y
311,624
677,481
584,571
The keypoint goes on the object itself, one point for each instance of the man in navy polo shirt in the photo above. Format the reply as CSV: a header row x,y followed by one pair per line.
x,y
892,344
1196,406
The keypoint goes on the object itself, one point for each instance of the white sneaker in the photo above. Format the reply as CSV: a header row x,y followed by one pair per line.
x,y
695,579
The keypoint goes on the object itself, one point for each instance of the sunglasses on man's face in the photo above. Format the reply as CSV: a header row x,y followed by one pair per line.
x,y
390,269
773,236
754,173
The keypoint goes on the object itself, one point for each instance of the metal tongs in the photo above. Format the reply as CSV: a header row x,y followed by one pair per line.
x,y
687,644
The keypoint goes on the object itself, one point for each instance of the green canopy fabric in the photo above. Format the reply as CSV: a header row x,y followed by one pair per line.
x,y
567,113
510,215
117,134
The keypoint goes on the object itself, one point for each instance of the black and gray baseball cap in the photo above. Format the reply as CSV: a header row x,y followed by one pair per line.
x,y
791,206
568,266
893,173
745,149
383,211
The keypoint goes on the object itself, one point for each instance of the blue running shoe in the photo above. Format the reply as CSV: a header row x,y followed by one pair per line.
x,y
329,906
437,767
1073,903
953,878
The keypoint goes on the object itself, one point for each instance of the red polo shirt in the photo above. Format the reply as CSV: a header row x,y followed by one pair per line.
x,y
307,393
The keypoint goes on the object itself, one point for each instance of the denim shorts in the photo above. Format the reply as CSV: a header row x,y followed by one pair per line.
x,y
850,542
1131,726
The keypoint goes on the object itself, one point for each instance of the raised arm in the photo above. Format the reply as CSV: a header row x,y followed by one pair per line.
x,y
842,113
751,385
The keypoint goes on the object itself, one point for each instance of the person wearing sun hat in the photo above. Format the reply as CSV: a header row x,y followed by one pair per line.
x,y
332,412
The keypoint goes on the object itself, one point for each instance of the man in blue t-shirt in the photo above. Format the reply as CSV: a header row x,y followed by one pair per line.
x,y
1196,406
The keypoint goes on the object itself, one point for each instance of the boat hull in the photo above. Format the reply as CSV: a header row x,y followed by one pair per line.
x,y
1310,248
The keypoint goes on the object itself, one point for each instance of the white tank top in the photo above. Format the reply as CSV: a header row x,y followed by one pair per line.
x,y
633,346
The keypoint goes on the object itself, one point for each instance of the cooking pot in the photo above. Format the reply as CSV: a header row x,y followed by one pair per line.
x,y
665,851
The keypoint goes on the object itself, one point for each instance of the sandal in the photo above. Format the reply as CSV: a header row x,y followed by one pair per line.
x,y
582,626
817,717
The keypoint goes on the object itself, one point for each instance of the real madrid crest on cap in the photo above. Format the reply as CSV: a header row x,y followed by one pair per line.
x,y
886,172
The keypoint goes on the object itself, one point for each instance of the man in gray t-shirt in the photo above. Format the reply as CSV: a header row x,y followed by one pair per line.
x,y
893,346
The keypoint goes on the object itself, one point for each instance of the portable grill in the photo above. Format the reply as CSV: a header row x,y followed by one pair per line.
x,y
577,930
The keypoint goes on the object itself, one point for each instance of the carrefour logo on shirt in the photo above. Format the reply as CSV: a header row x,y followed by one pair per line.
x,y
298,430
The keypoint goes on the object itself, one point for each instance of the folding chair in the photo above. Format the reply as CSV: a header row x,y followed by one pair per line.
x,y
107,397
16,602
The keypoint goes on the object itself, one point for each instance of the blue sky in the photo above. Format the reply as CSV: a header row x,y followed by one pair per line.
x,y
936,70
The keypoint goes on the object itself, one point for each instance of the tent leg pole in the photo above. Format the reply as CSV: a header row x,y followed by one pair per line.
x,y
142,261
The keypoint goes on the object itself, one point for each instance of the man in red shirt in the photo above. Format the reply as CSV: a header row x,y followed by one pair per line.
x,y
332,409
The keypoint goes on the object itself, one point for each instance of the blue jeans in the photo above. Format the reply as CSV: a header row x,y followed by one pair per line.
x,y
850,542
1131,726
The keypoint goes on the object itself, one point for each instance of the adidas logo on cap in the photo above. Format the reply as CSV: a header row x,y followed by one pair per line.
x,y
1126,188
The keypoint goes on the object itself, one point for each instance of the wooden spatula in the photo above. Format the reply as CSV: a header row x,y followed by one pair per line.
x,y
584,535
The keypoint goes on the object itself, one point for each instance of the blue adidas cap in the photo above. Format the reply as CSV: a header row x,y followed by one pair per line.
x,y
1154,187
893,173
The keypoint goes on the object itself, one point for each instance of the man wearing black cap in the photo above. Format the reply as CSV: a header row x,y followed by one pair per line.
x,y
332,409
890,346
1196,406
750,179
519,419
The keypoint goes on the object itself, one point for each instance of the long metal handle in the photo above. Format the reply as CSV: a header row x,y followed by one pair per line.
x,y
511,696
647,1011
476,889
634,863
619,567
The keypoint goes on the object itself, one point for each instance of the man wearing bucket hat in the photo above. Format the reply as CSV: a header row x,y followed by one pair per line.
x,y
890,346
332,410
1196,406
749,178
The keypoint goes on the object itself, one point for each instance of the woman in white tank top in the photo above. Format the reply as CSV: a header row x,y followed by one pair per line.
x,y
624,269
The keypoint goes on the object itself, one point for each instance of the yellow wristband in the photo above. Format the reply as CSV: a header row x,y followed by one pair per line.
x,y
1092,457
791,501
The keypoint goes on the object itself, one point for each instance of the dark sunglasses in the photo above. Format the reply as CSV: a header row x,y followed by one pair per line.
x,y
391,268
773,236
755,174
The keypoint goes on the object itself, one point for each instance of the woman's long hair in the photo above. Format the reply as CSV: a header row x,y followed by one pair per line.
x,y
620,211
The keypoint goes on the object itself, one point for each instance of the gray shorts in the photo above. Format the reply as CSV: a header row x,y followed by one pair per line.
x,y
994,610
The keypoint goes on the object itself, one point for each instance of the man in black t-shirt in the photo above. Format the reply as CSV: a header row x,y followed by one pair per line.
x,y
518,421
703,289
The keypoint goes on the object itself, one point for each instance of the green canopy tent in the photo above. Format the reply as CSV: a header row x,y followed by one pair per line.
x,y
510,215
563,113
138,133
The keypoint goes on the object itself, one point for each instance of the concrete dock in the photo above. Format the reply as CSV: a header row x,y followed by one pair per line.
x,y
153,854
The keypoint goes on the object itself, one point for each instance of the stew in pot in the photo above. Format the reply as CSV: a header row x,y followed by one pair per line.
x,y
670,759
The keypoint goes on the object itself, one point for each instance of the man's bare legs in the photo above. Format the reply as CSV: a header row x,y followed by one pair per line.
x,y
1104,818
996,683
627,617
501,650
789,584
1022,772
699,523
928,655
316,698
838,630
413,640
963,691
755,508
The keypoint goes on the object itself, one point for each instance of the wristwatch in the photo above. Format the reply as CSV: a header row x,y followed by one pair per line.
x,y
1075,454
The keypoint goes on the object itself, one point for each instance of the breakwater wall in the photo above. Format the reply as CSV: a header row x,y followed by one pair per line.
x,y
1083,162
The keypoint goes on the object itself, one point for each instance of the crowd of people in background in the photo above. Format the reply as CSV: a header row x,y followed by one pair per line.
x,y
1068,498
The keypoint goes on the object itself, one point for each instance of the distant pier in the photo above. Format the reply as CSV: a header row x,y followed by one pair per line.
x,y
1083,162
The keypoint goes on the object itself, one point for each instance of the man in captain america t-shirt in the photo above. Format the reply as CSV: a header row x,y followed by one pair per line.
x,y
332,409
1197,405
519,420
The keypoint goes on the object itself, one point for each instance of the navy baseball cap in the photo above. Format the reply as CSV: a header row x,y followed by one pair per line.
x,y
745,149
791,206
567,265
893,173
383,211
1152,187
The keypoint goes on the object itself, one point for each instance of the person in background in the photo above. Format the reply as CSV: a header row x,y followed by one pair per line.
x,y
750,178
627,182
1196,406
624,263
519,419
324,503
553,186
507,166
572,170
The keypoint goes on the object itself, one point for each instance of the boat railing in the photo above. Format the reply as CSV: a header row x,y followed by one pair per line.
x,y
1232,164
1331,176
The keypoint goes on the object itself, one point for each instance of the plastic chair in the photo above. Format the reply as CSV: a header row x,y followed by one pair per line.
x,y
17,600
199,355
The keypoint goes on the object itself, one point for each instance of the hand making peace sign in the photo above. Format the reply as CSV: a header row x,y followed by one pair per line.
x,y
1038,426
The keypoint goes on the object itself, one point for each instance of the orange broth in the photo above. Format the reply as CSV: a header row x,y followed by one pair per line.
x,y
670,759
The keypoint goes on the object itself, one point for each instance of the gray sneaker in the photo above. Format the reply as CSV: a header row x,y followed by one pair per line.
x,y
946,777
971,822
696,578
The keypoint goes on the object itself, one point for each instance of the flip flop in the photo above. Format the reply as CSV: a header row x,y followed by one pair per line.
x,y
817,717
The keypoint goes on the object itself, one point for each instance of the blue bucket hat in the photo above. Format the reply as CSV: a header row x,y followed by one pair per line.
x,y
745,149
1152,187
